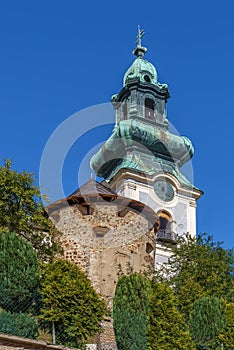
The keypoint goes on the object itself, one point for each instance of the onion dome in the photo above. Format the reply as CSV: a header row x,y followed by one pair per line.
x,y
142,69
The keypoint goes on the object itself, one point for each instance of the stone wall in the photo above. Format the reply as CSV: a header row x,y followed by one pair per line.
x,y
105,240
10,342
106,339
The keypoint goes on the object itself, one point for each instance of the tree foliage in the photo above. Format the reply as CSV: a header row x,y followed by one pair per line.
x,y
19,273
197,268
130,309
19,324
166,329
206,322
22,211
226,337
70,302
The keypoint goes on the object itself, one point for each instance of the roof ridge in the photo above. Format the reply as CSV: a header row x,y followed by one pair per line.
x,y
92,187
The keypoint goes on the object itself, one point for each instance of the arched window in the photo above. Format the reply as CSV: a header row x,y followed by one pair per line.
x,y
125,111
164,232
149,108
165,220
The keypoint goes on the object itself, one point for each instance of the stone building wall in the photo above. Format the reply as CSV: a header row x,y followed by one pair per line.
x,y
106,339
104,240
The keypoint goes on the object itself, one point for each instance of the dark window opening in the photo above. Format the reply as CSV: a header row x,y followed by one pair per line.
x,y
164,224
100,231
85,209
149,248
149,108
147,78
164,233
123,212
125,111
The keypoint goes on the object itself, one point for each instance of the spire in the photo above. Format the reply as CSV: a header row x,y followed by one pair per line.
x,y
139,50
140,34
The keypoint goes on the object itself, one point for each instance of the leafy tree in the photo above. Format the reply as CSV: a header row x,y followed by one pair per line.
x,y
130,309
206,322
199,267
227,335
70,302
167,329
22,211
19,324
19,273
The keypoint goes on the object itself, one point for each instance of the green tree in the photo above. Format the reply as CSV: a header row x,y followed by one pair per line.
x,y
166,329
206,322
70,302
22,211
130,307
198,267
19,324
19,273
226,337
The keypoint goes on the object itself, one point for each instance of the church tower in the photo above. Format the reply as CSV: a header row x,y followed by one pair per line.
x,y
142,159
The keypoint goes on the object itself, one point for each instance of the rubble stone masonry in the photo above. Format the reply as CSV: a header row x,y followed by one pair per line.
x,y
104,241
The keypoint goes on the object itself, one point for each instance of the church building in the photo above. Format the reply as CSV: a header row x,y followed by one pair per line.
x,y
144,202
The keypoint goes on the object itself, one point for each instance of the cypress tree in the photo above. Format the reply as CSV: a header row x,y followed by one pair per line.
x,y
130,310
206,321
19,273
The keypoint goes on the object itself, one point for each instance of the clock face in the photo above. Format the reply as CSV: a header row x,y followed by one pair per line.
x,y
164,190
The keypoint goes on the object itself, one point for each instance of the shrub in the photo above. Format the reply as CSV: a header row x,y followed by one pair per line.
x,y
70,302
18,324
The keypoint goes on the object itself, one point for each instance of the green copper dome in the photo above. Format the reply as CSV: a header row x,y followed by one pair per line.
x,y
142,69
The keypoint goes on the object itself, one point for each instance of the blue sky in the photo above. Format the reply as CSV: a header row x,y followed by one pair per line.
x,y
58,57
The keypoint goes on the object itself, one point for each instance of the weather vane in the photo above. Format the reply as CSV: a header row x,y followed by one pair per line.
x,y
140,34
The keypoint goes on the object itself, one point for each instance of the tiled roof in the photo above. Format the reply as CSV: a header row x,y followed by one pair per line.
x,y
92,187
91,192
